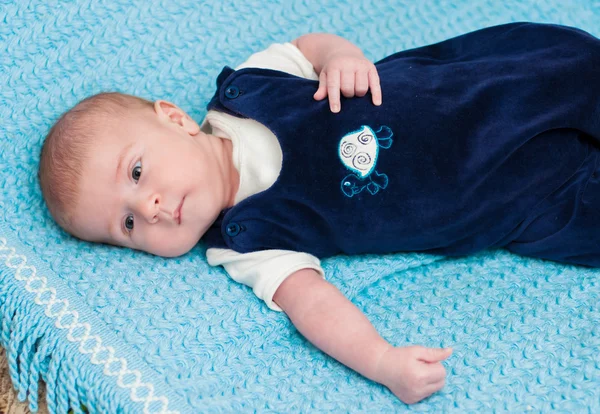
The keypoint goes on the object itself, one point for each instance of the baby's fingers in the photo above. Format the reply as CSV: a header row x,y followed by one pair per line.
x,y
347,84
421,392
433,354
333,90
433,388
434,373
322,90
431,378
361,83
329,85
375,86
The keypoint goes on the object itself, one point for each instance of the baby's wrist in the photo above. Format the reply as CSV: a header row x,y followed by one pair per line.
x,y
379,363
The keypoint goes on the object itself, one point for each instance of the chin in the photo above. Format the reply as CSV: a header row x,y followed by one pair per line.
x,y
179,252
174,251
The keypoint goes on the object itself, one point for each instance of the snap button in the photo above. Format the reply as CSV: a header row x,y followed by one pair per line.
x,y
232,92
233,229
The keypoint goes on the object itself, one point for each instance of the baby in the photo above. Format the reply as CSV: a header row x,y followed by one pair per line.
x,y
485,140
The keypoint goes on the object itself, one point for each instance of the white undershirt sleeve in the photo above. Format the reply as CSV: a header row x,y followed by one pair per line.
x,y
284,57
263,270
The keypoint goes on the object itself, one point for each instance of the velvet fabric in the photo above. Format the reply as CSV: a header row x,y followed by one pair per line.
x,y
481,141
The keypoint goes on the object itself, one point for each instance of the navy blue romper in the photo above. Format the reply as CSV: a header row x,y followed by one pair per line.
x,y
485,140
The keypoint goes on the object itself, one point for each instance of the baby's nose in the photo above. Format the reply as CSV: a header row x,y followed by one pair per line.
x,y
150,208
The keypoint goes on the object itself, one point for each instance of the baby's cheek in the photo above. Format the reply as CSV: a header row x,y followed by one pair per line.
x,y
149,240
170,243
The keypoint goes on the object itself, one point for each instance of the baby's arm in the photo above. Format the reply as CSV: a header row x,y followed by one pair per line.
x,y
341,66
337,327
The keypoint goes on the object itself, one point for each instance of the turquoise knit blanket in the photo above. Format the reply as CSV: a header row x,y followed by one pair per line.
x,y
119,331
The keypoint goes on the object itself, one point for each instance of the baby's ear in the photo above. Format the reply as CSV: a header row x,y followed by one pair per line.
x,y
167,111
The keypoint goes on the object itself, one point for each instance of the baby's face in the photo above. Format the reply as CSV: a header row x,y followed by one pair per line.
x,y
152,185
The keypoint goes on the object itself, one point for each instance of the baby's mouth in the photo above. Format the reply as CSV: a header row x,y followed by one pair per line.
x,y
177,212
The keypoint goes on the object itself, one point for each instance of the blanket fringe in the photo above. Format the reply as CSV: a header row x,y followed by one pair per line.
x,y
35,352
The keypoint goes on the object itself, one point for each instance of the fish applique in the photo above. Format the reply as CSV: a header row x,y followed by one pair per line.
x,y
358,151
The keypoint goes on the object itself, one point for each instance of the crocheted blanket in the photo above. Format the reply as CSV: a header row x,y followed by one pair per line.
x,y
121,331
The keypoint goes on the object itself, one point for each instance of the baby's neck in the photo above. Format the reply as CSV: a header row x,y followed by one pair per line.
x,y
231,174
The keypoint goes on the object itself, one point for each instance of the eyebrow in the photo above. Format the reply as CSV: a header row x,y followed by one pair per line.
x,y
117,174
120,161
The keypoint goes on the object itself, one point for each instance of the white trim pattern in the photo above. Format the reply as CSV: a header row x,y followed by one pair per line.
x,y
81,332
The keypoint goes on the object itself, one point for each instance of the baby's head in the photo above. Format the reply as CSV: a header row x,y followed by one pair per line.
x,y
122,170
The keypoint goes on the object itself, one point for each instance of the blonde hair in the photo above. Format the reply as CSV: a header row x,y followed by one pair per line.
x,y
67,144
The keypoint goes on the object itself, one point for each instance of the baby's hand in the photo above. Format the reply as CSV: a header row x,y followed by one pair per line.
x,y
413,373
352,74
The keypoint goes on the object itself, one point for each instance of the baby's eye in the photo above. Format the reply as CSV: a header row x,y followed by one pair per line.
x,y
136,172
129,223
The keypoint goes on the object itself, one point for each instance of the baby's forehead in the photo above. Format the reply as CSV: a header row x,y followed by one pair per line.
x,y
117,130
104,136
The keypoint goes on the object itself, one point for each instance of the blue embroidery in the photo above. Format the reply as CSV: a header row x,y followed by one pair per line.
x,y
358,151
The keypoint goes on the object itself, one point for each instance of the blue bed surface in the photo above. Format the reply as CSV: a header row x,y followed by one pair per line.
x,y
122,331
